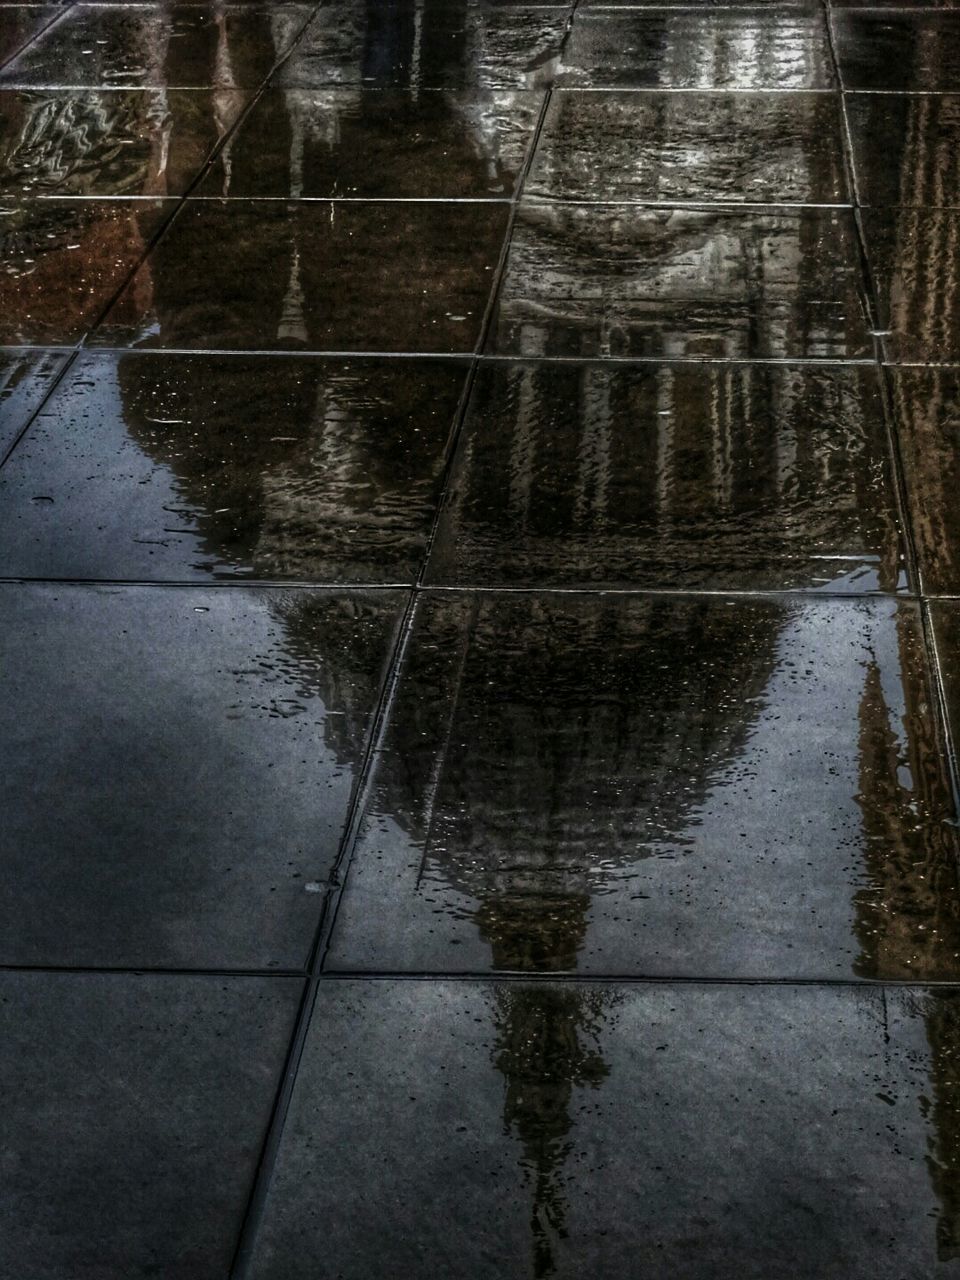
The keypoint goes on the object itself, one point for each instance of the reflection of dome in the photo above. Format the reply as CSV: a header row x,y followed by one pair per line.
x,y
308,469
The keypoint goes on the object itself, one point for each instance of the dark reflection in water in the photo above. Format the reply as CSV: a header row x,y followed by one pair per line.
x,y
659,787
640,281
431,44
687,475
547,1045
389,143
915,256
197,466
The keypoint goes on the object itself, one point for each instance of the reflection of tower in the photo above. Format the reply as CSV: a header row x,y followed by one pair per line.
x,y
547,1045
906,918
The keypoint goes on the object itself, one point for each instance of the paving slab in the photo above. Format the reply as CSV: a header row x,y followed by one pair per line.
x,y
178,769
537,1129
135,1109
654,786
156,467
692,476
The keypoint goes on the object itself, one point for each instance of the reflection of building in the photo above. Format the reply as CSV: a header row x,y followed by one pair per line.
x,y
548,1044
691,474
671,282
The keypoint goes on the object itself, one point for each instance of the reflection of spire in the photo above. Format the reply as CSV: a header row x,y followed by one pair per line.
x,y
547,1046
942,1019
292,319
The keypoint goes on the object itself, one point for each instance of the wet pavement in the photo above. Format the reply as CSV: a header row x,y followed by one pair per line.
x,y
480,577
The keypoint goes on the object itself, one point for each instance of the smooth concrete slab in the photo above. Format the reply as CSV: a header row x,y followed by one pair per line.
x,y
496,1131
135,1108
178,766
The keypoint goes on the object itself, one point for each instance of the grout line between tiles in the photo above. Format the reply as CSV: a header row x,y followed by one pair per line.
x,y
487,977
806,594
365,774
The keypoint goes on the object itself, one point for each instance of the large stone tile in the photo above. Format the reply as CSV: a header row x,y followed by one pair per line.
x,y
22,23
178,768
721,476
739,147
25,378
698,48
906,148
658,786
388,143
452,45
149,466
344,277
913,50
62,261
914,255
110,142
927,414
605,280
507,1131
172,46
134,1112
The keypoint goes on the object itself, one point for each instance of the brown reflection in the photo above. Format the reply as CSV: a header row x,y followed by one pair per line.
x,y
941,1016
580,724
907,917
429,44
685,475
548,1045
317,470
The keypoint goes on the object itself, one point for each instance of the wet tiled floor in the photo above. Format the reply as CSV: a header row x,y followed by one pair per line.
x,y
480,591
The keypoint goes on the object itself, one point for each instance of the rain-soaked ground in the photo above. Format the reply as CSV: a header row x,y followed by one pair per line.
x,y
481,604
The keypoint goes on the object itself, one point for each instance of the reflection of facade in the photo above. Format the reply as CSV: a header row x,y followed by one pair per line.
x,y
696,474
718,283
547,845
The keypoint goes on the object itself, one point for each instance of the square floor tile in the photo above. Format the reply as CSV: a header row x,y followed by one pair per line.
x,y
110,142
25,378
152,467
21,23
927,415
721,476
170,45
178,769
698,49
323,277
574,1130
381,143
134,1112
914,50
596,280
62,262
428,46
906,148
658,786
740,147
915,258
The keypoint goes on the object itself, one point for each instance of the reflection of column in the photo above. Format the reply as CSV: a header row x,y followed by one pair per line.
x,y
942,1018
546,1047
